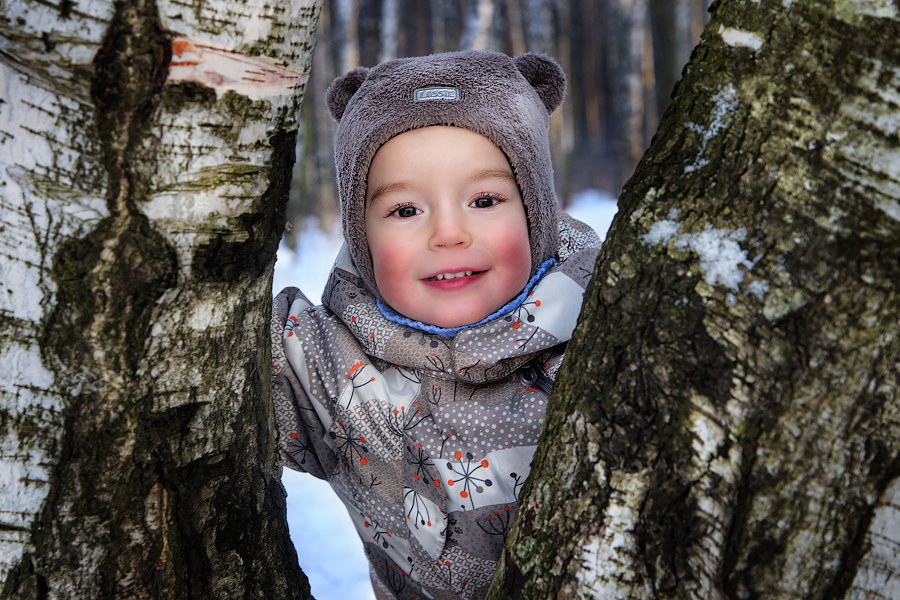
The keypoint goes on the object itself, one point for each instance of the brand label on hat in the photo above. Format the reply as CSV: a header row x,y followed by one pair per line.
x,y
445,94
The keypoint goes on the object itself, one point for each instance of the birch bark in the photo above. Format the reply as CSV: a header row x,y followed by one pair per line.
x,y
477,32
145,152
390,20
727,421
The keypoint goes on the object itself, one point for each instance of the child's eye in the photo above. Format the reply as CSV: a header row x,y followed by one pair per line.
x,y
404,211
485,201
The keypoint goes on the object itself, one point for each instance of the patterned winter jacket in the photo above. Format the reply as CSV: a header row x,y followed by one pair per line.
x,y
426,439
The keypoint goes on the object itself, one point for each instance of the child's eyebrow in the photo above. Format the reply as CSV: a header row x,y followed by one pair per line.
x,y
399,186
505,174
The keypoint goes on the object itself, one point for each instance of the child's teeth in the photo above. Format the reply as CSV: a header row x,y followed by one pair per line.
x,y
442,276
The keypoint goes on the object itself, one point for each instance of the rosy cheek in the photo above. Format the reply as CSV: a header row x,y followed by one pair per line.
x,y
516,252
390,264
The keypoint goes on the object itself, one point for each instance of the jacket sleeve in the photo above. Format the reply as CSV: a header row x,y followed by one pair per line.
x,y
300,432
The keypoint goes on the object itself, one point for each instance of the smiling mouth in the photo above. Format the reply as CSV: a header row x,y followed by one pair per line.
x,y
446,276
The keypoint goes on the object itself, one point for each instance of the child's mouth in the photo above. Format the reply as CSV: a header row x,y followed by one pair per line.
x,y
447,277
444,276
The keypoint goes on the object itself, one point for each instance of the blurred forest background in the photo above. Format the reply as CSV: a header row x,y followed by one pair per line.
x,y
622,59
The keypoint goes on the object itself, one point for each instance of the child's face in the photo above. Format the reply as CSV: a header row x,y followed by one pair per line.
x,y
443,200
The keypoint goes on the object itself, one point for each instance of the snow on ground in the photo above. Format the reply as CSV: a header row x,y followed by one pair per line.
x,y
330,552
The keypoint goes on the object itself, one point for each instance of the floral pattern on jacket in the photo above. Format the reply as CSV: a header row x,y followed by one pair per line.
x,y
427,440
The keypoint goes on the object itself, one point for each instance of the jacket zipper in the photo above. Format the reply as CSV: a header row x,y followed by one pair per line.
x,y
532,377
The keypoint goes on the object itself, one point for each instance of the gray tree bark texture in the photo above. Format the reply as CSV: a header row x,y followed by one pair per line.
x,y
145,156
727,424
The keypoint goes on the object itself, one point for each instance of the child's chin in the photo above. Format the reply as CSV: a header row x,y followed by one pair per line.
x,y
461,321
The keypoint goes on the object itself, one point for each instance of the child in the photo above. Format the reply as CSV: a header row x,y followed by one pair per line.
x,y
419,389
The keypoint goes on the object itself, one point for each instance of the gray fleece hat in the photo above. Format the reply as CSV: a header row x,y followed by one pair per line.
x,y
508,100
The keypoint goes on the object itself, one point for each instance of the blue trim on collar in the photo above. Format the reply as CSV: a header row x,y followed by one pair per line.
x,y
392,315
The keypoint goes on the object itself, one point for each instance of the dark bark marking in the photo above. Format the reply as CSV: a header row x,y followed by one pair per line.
x,y
222,259
108,284
65,8
24,582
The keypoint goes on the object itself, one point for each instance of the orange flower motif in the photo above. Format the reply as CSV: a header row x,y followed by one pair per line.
x,y
356,367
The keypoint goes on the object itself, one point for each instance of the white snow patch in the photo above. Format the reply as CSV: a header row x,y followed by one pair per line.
x,y
852,11
308,265
758,288
890,207
331,553
721,256
725,104
594,208
740,38
661,231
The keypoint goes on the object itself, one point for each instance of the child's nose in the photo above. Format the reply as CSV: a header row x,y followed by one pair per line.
x,y
450,231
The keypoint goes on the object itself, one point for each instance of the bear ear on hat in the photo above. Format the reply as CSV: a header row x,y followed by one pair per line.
x,y
342,89
545,76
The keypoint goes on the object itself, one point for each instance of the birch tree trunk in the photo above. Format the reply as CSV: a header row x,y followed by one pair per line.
x,y
145,153
629,60
675,26
390,21
539,25
476,34
665,27
348,17
727,423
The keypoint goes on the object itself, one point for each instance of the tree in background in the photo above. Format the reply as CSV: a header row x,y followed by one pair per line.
x,y
727,422
622,58
145,158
